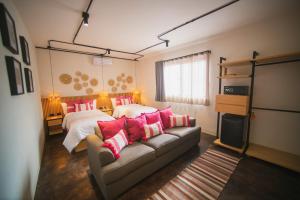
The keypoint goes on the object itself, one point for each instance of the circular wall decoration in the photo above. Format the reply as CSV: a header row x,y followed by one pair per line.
x,y
84,77
85,84
122,74
114,89
118,84
124,87
89,91
65,78
76,80
94,82
111,82
119,78
78,73
77,86
129,79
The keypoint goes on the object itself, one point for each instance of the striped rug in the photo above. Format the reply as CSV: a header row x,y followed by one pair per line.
x,y
204,178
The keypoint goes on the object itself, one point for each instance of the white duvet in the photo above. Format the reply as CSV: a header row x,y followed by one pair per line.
x,y
80,125
132,110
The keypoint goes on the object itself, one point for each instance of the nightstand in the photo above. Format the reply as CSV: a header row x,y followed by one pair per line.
x,y
54,124
108,111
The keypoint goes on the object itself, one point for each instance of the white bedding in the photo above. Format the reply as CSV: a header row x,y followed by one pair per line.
x,y
132,110
80,125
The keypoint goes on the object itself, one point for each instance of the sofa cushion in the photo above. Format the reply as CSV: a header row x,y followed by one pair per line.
x,y
131,157
163,143
185,133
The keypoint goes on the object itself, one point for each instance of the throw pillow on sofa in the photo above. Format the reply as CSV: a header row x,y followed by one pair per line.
x,y
135,128
165,116
151,130
111,128
179,120
153,118
116,143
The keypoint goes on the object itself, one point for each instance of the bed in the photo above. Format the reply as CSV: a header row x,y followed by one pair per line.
x,y
131,110
80,125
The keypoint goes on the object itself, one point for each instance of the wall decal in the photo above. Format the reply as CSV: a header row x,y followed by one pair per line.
x,y
85,77
65,78
85,84
94,82
78,73
77,86
121,81
89,91
76,80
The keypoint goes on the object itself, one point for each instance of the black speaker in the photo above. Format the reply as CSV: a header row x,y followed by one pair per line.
x,y
232,130
236,90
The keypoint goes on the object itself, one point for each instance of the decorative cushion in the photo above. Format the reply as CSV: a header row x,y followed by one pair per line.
x,y
124,100
71,105
165,116
91,102
179,120
111,128
153,118
116,143
82,107
152,130
135,128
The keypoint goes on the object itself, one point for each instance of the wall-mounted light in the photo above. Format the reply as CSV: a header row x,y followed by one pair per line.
x,y
85,16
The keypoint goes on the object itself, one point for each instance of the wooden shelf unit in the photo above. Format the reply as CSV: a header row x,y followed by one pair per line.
x,y
234,104
219,143
229,76
277,157
237,63
276,57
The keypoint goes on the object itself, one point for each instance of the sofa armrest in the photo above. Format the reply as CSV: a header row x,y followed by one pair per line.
x,y
192,122
97,153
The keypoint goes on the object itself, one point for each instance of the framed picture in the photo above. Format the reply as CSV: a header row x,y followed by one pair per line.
x,y
8,30
15,77
25,50
28,80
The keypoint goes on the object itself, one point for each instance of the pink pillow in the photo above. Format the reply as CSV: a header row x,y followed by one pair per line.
x,y
90,102
116,143
165,116
71,105
152,130
154,117
111,128
124,100
135,128
179,120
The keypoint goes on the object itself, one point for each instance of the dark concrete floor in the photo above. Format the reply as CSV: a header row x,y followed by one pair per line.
x,y
65,176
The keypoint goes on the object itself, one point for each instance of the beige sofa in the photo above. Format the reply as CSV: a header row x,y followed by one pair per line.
x,y
138,160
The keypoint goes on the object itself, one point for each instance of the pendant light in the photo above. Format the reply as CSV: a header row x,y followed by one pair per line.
x,y
103,93
52,96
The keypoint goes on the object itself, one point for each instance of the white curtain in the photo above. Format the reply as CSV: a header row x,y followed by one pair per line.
x,y
186,79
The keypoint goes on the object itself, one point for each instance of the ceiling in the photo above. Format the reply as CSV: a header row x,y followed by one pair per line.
x,y
131,25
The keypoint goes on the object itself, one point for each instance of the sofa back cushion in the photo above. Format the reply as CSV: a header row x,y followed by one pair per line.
x,y
111,128
151,130
165,116
153,118
135,128
116,143
179,120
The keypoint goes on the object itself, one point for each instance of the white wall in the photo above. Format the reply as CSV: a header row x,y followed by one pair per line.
x,y
70,63
272,36
21,126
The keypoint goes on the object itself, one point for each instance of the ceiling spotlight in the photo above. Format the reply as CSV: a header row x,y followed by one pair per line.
x,y
167,43
85,16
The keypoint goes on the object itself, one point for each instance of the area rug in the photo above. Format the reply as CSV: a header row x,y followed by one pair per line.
x,y
204,178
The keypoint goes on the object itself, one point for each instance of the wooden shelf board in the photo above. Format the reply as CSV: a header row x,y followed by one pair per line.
x,y
219,143
277,57
274,156
234,76
237,63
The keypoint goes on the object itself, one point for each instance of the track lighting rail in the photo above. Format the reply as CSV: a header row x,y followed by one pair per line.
x,y
85,16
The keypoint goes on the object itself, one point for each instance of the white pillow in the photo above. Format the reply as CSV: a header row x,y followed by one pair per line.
x,y
64,108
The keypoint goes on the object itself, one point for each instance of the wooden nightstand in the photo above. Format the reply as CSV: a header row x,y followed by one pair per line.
x,y
54,124
108,111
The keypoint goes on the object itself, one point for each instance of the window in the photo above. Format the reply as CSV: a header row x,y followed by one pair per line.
x,y
186,79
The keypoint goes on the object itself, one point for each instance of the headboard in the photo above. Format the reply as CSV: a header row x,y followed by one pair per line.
x,y
53,107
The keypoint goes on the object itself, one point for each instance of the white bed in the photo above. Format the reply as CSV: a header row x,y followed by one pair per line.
x,y
80,125
132,110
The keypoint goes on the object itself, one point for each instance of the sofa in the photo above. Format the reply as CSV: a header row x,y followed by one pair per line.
x,y
137,160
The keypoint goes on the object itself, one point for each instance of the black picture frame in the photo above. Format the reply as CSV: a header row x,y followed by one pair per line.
x,y
25,50
8,30
15,76
28,80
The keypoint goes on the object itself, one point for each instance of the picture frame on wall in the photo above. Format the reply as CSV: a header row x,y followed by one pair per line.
x,y
8,30
25,50
15,76
29,80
